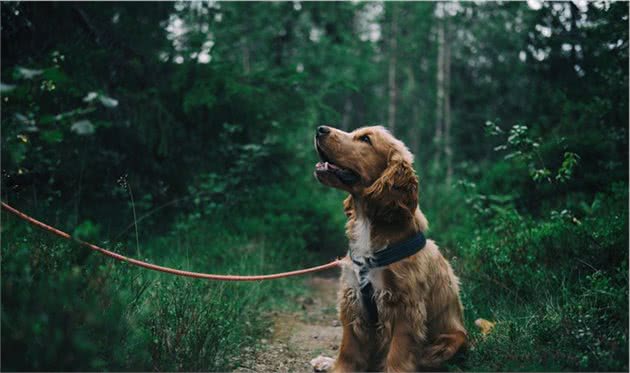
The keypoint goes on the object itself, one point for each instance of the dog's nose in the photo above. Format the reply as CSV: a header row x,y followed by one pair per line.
x,y
322,130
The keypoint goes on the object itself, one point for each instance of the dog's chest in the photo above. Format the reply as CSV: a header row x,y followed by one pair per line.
x,y
362,248
360,238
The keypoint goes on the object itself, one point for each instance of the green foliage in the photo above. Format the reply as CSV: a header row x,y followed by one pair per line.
x,y
186,129
65,308
522,148
87,230
556,285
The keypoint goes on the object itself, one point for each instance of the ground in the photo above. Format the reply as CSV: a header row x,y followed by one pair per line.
x,y
298,337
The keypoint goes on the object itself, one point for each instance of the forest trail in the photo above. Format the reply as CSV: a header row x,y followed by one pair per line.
x,y
298,337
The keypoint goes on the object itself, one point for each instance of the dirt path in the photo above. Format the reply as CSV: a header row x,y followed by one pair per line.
x,y
300,336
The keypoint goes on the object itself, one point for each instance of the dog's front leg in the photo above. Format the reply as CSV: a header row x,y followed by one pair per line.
x,y
352,358
355,345
402,354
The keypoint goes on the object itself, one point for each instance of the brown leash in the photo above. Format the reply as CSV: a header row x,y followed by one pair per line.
x,y
178,272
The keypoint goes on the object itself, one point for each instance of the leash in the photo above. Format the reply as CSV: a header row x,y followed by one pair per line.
x,y
178,272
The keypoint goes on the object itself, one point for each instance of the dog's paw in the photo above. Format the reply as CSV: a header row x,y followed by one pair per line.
x,y
322,363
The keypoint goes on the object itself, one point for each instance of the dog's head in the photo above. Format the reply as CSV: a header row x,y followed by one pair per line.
x,y
370,164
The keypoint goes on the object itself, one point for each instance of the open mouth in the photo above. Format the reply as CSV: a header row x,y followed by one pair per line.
x,y
327,168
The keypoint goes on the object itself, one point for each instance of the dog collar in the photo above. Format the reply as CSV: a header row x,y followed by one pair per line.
x,y
391,254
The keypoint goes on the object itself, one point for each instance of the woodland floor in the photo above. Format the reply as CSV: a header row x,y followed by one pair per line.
x,y
298,337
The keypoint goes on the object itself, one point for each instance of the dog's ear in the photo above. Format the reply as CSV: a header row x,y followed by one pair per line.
x,y
396,191
348,206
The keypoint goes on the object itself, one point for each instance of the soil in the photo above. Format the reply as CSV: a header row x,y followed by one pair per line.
x,y
299,337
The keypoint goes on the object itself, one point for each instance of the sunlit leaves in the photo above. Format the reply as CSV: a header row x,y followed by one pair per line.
x,y
25,73
568,164
539,174
521,147
492,129
91,96
106,101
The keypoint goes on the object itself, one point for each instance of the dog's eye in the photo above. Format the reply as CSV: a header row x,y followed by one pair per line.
x,y
365,138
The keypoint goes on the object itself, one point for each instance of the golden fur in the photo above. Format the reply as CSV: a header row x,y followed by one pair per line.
x,y
419,311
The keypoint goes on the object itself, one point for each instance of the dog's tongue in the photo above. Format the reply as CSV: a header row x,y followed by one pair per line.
x,y
346,176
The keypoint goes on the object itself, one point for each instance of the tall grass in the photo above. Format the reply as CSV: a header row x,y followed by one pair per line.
x,y
66,308
556,283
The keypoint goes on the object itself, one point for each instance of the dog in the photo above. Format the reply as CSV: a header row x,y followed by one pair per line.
x,y
404,315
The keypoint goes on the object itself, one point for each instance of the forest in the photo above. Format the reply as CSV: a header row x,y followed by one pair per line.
x,y
181,133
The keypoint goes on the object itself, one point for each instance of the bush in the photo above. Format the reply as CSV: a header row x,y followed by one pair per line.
x,y
65,308
557,287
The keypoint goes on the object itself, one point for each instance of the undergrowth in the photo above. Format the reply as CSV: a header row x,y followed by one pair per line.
x,y
556,284
66,308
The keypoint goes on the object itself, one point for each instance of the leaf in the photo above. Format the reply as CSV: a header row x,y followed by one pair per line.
x,y
485,326
108,101
5,88
90,97
52,136
56,75
512,155
86,230
82,127
24,73
23,119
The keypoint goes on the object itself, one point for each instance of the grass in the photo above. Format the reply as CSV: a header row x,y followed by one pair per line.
x,y
557,287
558,291
66,308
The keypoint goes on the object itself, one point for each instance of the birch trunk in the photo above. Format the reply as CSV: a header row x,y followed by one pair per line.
x,y
393,89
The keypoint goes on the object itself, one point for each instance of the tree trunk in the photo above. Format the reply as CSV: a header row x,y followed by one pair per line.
x,y
245,55
439,102
448,151
415,127
393,89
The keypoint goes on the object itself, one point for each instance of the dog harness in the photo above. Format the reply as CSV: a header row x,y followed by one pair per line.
x,y
391,254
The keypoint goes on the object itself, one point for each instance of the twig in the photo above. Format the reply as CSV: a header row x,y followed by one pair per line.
x,y
153,211
85,21
135,221
149,214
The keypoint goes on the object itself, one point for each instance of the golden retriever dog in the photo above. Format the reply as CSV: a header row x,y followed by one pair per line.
x,y
412,318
